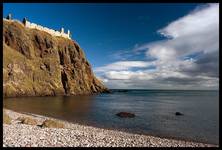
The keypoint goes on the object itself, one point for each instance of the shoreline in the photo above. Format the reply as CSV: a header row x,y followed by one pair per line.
x,y
78,135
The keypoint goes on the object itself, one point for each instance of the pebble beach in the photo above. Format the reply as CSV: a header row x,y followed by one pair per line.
x,y
75,135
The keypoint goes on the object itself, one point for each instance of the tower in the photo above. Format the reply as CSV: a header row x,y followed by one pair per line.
x,y
62,30
24,21
68,33
9,17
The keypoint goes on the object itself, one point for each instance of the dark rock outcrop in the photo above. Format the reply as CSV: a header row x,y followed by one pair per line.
x,y
36,63
179,114
122,91
125,115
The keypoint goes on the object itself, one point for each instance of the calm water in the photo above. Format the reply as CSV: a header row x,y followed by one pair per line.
x,y
154,110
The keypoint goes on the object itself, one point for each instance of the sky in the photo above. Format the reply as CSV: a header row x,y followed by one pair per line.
x,y
139,46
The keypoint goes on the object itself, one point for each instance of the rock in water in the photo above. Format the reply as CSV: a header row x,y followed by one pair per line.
x,y
36,63
179,114
124,91
125,115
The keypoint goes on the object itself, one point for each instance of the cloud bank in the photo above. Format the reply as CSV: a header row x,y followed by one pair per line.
x,y
187,59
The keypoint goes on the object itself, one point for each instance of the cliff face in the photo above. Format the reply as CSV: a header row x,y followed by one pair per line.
x,y
38,64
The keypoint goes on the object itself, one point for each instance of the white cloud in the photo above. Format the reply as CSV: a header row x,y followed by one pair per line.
x,y
126,75
196,32
119,75
194,23
163,53
123,65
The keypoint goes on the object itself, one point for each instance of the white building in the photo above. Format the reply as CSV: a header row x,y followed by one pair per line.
x,y
50,31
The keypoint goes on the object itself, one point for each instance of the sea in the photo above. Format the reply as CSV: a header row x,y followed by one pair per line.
x,y
154,112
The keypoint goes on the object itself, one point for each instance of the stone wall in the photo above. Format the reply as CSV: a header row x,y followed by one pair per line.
x,y
39,27
50,31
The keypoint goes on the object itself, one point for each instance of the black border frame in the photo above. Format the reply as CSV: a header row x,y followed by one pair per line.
x,y
116,1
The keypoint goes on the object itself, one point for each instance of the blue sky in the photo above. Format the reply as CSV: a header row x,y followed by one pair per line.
x,y
103,29
125,36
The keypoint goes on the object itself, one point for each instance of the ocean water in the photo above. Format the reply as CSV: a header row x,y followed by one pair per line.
x,y
154,110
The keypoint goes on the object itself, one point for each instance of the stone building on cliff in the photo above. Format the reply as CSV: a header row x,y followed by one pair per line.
x,y
28,24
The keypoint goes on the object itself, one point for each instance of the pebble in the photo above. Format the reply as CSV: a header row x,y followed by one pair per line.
x,y
75,135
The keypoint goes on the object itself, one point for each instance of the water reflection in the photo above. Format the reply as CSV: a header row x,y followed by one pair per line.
x,y
66,108
154,111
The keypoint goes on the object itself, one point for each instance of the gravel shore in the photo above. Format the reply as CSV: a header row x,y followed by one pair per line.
x,y
75,135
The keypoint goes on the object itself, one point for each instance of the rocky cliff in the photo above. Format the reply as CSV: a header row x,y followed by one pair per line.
x,y
38,64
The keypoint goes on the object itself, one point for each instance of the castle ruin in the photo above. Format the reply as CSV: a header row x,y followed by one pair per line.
x,y
28,24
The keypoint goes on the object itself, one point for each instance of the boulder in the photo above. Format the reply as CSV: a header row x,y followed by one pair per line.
x,y
52,124
6,118
122,91
179,114
27,120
